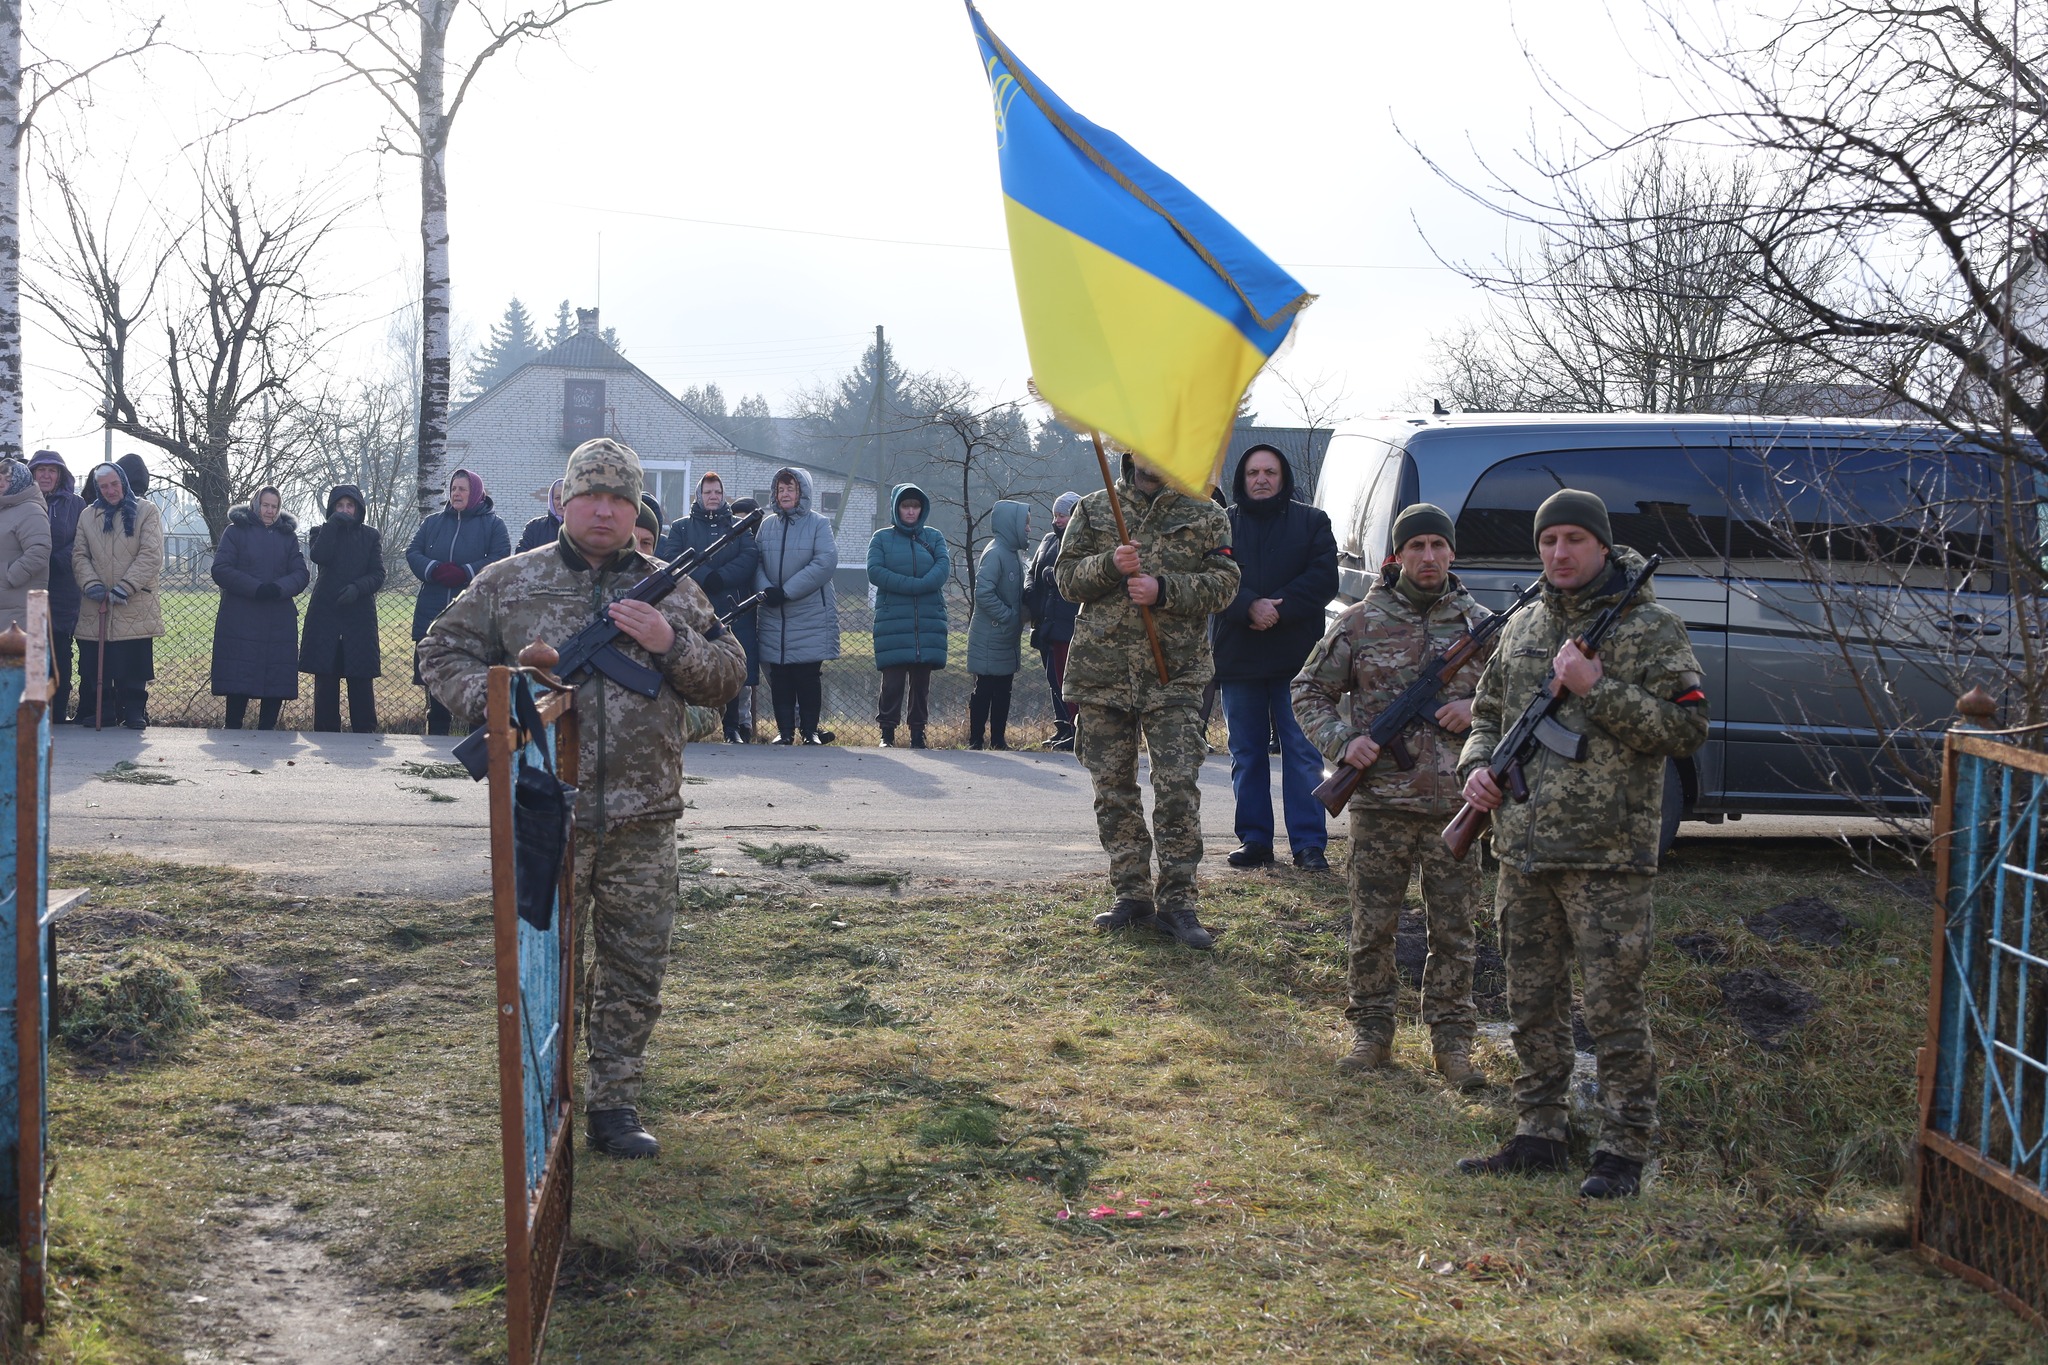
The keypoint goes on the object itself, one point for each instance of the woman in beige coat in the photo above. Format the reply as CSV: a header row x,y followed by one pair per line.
x,y
24,541
117,558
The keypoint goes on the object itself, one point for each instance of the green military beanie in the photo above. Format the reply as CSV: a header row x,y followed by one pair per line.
x,y
603,466
1575,507
1423,519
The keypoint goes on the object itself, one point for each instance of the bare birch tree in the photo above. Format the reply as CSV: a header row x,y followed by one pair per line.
x,y
400,50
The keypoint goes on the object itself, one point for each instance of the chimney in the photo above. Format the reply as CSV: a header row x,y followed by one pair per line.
x,y
586,322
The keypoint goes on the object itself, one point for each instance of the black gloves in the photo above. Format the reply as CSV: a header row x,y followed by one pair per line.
x,y
268,592
347,596
714,582
773,596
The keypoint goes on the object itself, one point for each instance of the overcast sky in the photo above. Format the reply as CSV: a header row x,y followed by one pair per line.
x,y
838,162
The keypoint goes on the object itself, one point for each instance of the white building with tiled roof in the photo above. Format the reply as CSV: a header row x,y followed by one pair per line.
x,y
518,433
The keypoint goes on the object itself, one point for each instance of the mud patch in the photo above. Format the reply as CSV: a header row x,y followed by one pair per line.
x,y
1804,919
267,1291
1765,1005
273,992
1701,947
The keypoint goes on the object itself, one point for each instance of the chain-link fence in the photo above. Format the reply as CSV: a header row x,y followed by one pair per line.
x,y
183,691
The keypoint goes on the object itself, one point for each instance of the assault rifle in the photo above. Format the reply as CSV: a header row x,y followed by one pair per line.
x,y
1539,725
593,648
1417,702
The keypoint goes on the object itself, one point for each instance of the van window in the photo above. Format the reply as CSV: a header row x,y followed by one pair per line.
x,y
1911,518
1661,500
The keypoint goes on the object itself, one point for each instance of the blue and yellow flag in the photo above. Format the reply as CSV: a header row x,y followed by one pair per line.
x,y
1146,315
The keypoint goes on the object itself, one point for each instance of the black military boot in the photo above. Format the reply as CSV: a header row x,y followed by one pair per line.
x,y
1126,913
1613,1177
617,1132
1520,1155
917,737
888,736
1183,927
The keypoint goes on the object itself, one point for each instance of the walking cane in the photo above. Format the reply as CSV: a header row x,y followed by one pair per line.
x,y
99,677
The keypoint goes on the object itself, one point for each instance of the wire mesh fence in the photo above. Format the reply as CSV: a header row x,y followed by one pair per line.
x,y
183,691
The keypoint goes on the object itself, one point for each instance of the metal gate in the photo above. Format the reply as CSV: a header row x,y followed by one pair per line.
x,y
1980,1202
536,1004
28,913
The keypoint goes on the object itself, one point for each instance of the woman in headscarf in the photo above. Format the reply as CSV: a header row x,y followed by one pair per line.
x,y
446,552
60,496
24,541
117,558
341,639
256,631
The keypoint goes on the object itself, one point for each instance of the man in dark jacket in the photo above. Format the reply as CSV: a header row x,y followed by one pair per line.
x,y
727,579
543,529
1052,618
1288,559
61,497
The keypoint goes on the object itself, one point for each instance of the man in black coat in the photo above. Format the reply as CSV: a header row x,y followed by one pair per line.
x,y
1288,559
726,579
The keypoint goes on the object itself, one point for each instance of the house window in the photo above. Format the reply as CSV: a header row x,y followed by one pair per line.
x,y
582,410
762,498
828,502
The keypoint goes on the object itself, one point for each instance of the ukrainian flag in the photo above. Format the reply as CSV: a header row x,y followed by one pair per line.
x,y
1146,315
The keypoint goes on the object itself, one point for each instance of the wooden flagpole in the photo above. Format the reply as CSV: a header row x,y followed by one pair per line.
x,y
1123,535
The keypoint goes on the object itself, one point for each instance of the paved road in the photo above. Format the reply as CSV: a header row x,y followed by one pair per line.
x,y
337,813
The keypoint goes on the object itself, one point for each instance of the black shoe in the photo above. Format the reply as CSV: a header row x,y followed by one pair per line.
x,y
819,737
1613,1177
1312,860
1183,927
782,739
999,744
1065,746
917,737
1126,913
1250,855
617,1132
735,738
135,723
1520,1155
974,744
888,736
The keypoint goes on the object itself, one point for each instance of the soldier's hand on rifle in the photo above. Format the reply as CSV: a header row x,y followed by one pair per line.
x,y
1143,588
646,625
1126,559
1482,791
1265,613
1455,716
1577,670
1362,753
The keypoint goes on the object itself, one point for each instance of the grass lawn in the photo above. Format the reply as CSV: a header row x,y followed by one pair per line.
x,y
894,1129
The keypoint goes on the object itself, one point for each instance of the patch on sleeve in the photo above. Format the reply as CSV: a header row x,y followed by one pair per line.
x,y
1692,696
1225,551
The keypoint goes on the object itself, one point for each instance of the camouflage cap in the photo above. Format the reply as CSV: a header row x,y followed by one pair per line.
x,y
602,466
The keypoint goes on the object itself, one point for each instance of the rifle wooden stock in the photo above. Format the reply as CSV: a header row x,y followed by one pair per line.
x,y
1335,790
1465,828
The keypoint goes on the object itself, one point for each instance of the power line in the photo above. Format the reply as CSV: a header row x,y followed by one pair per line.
x,y
947,246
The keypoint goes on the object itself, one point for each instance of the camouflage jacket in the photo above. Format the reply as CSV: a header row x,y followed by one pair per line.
x,y
1602,814
1185,543
1371,652
630,764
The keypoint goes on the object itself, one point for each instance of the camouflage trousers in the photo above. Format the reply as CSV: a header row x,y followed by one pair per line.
x,y
625,903
1601,919
1387,847
1106,742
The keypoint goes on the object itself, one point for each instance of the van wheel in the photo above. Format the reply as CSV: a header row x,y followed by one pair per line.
x,y
1674,808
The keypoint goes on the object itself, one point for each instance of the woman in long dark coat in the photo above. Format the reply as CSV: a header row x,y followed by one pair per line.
x,y
446,552
341,639
256,632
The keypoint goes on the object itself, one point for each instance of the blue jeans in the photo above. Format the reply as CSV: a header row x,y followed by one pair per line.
x,y
1252,711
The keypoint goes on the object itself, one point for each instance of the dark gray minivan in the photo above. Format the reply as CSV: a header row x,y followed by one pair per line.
x,y
1841,579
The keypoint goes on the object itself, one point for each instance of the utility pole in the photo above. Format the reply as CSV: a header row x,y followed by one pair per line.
x,y
875,428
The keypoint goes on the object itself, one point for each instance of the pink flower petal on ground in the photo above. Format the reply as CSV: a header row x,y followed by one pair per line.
x,y
1063,1215
1143,1202
1134,1213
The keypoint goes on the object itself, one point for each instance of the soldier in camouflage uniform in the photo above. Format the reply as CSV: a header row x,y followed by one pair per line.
x,y
1373,651
630,763
1178,563
1576,859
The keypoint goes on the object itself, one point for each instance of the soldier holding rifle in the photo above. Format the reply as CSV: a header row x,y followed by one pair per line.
x,y
631,759
1374,653
1577,853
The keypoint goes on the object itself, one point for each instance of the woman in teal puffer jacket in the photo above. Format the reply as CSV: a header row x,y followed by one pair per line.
x,y
908,564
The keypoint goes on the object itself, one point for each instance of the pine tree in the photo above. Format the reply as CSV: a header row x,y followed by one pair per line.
x,y
565,324
512,343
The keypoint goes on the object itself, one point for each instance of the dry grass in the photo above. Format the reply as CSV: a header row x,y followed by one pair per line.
x,y
960,1184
